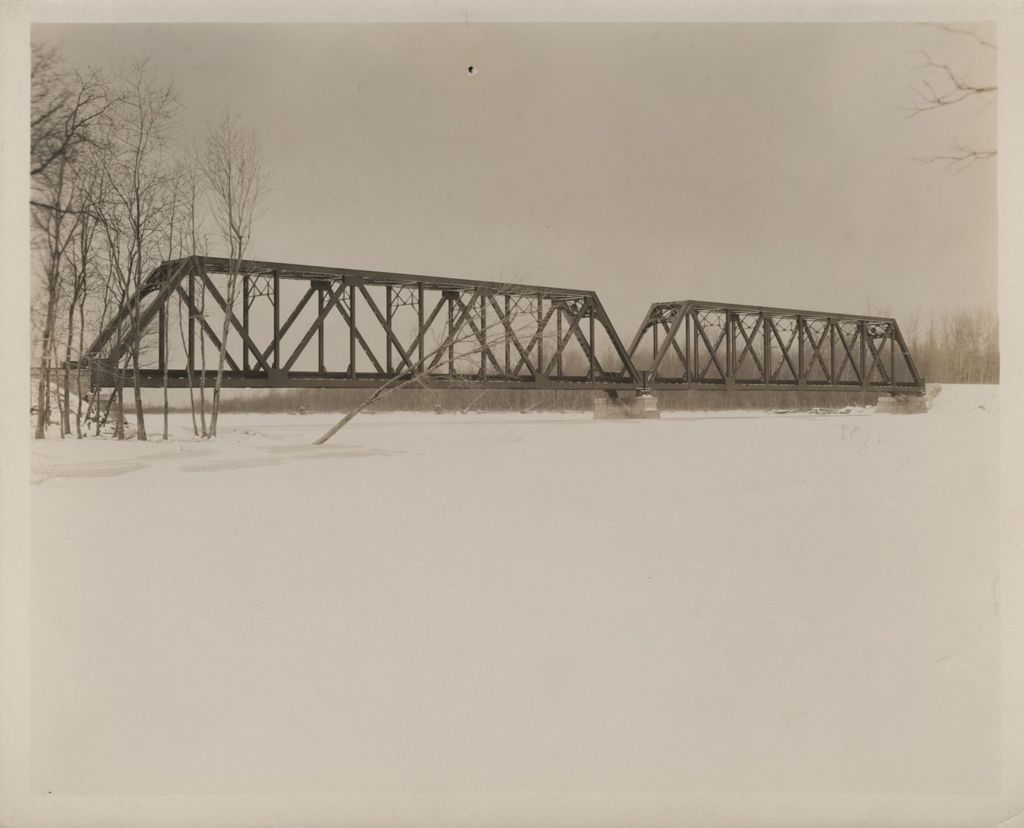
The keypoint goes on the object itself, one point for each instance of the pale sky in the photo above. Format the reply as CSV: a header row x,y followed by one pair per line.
x,y
761,163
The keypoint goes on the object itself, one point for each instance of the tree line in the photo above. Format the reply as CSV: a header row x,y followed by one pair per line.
x,y
958,346
114,193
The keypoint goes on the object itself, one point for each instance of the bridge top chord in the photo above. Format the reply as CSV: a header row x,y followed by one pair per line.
x,y
347,275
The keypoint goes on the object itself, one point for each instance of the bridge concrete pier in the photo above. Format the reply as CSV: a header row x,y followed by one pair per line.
x,y
907,404
636,407
899,404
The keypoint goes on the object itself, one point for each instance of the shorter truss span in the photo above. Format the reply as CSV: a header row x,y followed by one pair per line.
x,y
694,344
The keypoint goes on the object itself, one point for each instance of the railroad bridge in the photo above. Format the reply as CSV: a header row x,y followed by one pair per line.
x,y
304,326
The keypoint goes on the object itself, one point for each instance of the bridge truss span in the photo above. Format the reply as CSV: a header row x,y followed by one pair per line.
x,y
695,344
307,326
294,325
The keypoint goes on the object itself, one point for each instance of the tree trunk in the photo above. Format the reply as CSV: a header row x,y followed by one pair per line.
x,y
215,408
166,361
347,418
376,395
119,424
192,401
202,404
67,366
140,424
55,390
78,371
60,413
166,407
189,357
43,398
229,303
202,363
41,412
101,420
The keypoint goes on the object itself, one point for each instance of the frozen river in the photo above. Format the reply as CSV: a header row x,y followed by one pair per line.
x,y
726,601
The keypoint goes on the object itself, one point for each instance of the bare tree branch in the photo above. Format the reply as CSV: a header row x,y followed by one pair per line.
x,y
66,107
958,159
953,30
940,86
956,88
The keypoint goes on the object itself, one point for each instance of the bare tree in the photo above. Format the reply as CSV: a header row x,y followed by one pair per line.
x,y
231,162
116,297
67,109
175,195
55,230
136,210
83,267
190,242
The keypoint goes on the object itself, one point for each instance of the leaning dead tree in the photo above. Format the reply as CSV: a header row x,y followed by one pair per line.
x,y
467,346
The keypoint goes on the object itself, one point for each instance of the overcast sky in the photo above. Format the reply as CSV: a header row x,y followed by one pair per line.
x,y
761,163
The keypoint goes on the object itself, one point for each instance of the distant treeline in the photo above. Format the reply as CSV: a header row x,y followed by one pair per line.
x,y
960,346
321,400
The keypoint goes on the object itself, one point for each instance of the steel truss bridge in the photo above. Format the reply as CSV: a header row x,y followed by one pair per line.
x,y
364,329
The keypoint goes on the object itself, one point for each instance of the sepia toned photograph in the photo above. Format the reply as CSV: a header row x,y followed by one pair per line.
x,y
503,421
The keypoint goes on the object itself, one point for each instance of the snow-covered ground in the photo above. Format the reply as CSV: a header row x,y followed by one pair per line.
x,y
727,601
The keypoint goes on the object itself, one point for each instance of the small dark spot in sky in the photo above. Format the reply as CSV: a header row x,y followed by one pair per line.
x,y
471,70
